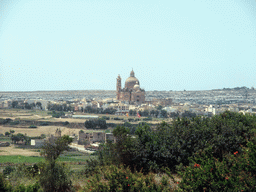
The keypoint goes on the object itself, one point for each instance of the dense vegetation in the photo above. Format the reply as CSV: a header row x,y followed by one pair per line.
x,y
209,154
8,121
153,113
96,124
89,109
25,105
57,114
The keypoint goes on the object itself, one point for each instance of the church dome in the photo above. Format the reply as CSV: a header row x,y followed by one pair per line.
x,y
131,81
136,86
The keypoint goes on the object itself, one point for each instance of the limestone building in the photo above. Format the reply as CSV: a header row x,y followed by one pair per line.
x,y
131,91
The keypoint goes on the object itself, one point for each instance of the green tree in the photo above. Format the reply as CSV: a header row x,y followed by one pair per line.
x,y
96,123
27,106
54,176
163,113
156,113
7,134
174,115
39,104
14,104
130,112
145,113
124,146
159,107
120,152
152,113
32,105
12,131
51,151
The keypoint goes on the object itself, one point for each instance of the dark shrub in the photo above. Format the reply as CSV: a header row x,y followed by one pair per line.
x,y
7,170
131,120
104,117
96,124
147,119
111,125
44,123
4,185
65,123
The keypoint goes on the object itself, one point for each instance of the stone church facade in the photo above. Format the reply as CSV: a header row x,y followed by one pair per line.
x,y
131,92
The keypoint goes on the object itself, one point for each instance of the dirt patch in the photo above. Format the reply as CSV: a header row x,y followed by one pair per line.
x,y
12,150
47,130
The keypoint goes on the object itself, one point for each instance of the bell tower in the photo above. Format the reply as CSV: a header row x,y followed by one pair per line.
x,y
118,87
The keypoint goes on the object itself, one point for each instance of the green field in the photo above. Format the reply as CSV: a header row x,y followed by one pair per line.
x,y
34,159
20,159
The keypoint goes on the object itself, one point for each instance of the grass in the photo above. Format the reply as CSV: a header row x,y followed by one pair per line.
x,y
74,156
20,159
73,159
36,159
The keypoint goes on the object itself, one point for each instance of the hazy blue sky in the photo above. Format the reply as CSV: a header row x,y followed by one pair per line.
x,y
85,44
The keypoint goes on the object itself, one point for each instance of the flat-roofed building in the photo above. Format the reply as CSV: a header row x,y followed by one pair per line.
x,y
37,142
98,136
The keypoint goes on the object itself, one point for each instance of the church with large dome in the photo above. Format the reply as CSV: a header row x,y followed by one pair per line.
x,y
131,91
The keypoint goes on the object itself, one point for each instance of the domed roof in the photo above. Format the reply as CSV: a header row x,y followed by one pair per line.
x,y
136,86
131,81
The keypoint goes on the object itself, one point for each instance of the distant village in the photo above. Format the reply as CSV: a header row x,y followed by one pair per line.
x,y
181,103
130,101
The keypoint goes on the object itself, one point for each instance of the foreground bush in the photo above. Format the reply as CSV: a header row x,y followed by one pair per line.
x,y
237,171
172,144
54,177
113,178
7,170
6,186
30,188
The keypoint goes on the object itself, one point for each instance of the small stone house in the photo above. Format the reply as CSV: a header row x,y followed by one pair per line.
x,y
98,136
84,138
37,142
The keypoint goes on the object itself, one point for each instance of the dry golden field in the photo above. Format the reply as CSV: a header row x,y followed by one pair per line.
x,y
34,116
32,132
12,150
47,130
